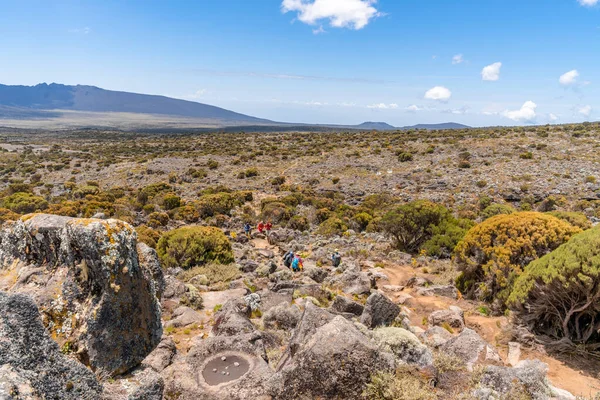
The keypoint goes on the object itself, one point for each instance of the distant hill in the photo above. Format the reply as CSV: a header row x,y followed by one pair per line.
x,y
446,125
57,106
17,100
381,126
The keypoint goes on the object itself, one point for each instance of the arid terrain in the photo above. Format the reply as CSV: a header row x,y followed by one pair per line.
x,y
400,318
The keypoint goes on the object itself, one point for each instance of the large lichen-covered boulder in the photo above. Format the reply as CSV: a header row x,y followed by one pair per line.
x,y
31,363
97,296
336,362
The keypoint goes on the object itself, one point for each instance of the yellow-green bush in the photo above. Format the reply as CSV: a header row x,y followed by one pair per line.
x,y
7,215
215,273
157,219
171,201
193,246
496,209
493,254
148,235
574,218
332,226
210,205
276,212
24,203
186,213
558,295
298,223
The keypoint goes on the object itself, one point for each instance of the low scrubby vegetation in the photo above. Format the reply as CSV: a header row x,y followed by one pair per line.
x,y
494,253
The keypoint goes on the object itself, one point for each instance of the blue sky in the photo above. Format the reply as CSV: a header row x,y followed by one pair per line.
x,y
323,61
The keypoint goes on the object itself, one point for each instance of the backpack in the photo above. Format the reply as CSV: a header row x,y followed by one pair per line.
x,y
337,259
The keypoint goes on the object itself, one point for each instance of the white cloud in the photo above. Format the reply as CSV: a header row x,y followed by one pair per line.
x,y
525,114
354,14
491,72
383,106
457,59
586,111
569,78
414,108
588,3
319,30
552,117
438,93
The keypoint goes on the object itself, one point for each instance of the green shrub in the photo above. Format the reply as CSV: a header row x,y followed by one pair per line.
x,y
212,164
332,226
187,213
411,225
497,209
19,188
361,221
558,295
298,223
157,219
493,254
276,212
171,201
219,203
445,237
147,235
405,157
24,203
192,246
574,218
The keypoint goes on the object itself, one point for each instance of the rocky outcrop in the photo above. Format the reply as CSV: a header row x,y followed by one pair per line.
x,y
336,362
351,281
471,349
379,311
232,319
96,293
31,363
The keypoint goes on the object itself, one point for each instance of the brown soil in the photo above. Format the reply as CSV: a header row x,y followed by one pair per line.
x,y
563,375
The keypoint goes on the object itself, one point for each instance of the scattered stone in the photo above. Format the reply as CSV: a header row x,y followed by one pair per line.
x,y
471,349
449,291
379,311
283,316
343,304
450,318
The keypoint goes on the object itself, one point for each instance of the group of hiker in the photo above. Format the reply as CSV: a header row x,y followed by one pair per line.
x,y
296,264
290,260
261,227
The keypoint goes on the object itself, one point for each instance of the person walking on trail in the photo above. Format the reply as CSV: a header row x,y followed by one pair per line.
x,y
247,230
336,258
288,257
268,227
261,227
297,264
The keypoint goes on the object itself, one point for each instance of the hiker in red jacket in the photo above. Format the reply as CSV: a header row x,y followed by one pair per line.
x,y
261,227
268,227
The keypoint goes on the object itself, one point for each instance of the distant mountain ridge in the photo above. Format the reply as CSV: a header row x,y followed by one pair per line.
x,y
93,99
64,106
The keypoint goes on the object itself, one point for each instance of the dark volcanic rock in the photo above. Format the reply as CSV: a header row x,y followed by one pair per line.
x,y
379,311
92,287
32,362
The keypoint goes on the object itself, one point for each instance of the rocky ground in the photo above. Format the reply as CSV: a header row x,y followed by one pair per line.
x,y
320,333
87,312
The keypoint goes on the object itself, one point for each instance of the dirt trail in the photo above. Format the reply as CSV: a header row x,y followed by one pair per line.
x,y
560,374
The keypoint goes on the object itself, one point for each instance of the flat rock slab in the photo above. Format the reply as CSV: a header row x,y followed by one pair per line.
x,y
211,299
